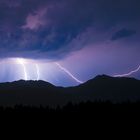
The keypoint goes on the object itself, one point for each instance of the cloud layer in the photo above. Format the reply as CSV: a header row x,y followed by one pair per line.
x,y
52,30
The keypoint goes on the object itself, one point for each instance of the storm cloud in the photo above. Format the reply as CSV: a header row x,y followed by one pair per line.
x,y
52,30
123,33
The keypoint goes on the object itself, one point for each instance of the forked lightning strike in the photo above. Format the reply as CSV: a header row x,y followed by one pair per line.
x,y
21,61
37,72
128,74
70,74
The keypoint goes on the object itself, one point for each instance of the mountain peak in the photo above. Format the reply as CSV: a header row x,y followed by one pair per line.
x,y
103,77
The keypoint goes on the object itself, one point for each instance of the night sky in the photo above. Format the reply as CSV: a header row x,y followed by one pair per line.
x,y
68,42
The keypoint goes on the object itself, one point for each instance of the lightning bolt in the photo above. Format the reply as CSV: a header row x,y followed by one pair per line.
x,y
21,61
128,74
70,74
37,72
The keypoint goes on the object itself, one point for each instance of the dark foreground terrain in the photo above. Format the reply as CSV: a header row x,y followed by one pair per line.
x,y
101,88
94,108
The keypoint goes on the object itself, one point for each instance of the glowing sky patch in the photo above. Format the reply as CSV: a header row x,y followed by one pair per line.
x,y
54,72
23,63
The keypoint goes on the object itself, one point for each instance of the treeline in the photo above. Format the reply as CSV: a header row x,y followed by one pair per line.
x,y
97,107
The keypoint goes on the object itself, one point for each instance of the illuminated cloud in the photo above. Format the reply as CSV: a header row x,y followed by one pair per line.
x,y
35,20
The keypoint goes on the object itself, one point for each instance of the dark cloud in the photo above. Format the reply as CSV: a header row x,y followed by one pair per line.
x,y
49,29
123,33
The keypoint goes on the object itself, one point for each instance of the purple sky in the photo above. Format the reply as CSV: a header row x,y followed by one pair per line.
x,y
86,37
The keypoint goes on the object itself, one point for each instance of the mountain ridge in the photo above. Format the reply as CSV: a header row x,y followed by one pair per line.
x,y
102,87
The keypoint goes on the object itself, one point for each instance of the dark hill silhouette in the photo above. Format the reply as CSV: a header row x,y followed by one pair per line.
x,y
109,88
42,93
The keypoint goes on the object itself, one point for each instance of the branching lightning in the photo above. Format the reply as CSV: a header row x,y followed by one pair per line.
x,y
21,61
37,72
70,74
128,74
